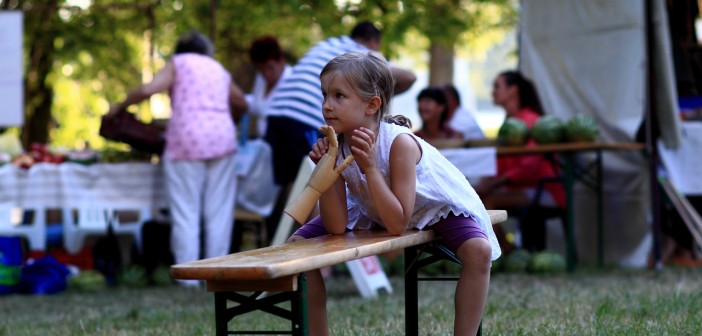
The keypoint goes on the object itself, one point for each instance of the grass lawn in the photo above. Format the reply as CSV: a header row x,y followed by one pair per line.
x,y
587,302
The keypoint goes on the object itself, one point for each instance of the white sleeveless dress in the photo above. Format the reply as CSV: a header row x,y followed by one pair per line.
x,y
441,188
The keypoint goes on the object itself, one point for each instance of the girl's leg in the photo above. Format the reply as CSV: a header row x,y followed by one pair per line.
x,y
473,285
469,241
316,289
316,300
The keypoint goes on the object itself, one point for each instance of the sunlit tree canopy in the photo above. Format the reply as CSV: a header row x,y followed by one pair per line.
x,y
82,55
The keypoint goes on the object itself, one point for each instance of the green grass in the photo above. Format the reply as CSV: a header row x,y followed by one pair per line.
x,y
588,302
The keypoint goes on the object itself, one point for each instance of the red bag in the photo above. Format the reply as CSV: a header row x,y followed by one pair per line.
x,y
125,127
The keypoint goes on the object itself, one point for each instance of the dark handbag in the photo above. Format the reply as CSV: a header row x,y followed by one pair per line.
x,y
107,256
125,127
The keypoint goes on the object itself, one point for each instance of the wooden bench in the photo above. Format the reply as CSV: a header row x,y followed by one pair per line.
x,y
279,272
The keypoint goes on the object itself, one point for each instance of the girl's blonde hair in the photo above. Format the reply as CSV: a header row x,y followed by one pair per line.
x,y
369,76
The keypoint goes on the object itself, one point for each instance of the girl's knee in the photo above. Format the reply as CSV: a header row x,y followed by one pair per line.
x,y
475,253
295,238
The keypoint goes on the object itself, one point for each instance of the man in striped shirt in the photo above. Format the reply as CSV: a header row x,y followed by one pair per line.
x,y
295,110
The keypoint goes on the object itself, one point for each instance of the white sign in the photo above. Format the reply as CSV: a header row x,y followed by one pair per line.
x,y
369,276
11,89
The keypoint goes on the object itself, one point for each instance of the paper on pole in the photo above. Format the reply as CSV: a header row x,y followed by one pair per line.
x,y
11,93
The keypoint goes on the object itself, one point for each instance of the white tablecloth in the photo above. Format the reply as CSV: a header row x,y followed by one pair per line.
x,y
140,185
474,163
69,185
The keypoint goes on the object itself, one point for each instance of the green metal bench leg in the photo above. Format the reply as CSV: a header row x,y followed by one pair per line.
x,y
221,320
297,315
411,292
299,306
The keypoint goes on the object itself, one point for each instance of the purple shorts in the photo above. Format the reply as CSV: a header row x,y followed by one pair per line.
x,y
453,230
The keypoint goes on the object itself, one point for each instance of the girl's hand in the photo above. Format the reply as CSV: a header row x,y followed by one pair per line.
x,y
363,149
319,149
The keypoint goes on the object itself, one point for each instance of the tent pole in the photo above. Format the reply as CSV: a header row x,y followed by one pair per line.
x,y
651,135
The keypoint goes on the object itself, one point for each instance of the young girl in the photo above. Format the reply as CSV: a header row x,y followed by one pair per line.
x,y
397,181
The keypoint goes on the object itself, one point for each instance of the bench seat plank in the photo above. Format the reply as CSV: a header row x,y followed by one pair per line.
x,y
305,255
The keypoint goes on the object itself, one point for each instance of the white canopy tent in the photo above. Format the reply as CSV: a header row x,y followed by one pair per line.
x,y
590,57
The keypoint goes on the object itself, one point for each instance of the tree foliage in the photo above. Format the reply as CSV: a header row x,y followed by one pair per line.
x,y
81,55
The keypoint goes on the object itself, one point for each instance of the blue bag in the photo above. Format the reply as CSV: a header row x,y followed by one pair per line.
x,y
11,258
44,276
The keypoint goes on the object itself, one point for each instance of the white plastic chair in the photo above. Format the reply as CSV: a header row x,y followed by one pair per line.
x,y
132,228
93,220
11,224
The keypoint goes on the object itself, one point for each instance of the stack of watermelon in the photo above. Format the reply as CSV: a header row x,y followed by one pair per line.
x,y
548,129
522,261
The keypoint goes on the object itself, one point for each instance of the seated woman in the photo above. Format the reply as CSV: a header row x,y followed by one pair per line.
x,y
519,176
271,68
433,110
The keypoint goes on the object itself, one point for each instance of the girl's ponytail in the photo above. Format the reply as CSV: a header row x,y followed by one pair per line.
x,y
399,120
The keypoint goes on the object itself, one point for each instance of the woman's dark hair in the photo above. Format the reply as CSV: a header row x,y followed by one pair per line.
x,y
365,31
194,42
265,48
528,97
451,90
436,94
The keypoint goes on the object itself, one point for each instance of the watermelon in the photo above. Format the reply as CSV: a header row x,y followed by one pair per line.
x,y
517,261
133,276
582,128
547,262
513,132
161,276
498,264
87,281
548,129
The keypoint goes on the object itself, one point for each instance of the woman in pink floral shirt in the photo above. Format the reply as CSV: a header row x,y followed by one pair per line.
x,y
200,145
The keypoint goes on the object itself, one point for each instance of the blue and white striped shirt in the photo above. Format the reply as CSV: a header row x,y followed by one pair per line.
x,y
299,96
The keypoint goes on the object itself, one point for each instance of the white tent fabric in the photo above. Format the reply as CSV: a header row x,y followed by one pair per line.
x,y
590,57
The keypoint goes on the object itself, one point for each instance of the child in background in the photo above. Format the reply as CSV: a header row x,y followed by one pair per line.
x,y
433,109
398,182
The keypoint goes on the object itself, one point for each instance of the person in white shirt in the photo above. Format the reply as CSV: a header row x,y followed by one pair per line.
x,y
271,68
460,119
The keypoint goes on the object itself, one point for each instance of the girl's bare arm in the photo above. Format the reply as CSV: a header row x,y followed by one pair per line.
x,y
395,202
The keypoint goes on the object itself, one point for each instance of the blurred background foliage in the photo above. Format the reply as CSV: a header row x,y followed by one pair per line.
x,y
82,55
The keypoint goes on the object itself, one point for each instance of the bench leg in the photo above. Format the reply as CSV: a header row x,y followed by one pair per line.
x,y
221,320
411,289
297,315
298,306
412,266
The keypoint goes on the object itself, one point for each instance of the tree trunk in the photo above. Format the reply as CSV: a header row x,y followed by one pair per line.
x,y
440,64
38,93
